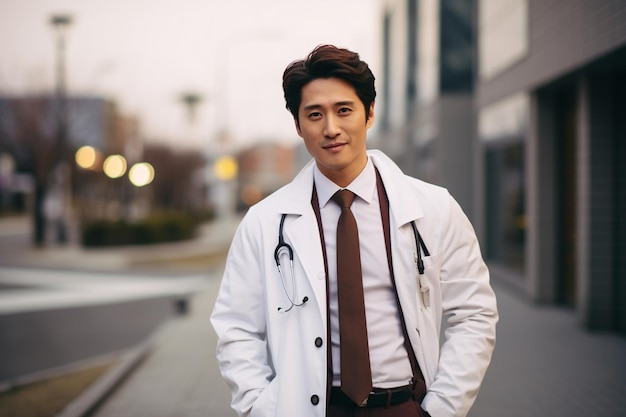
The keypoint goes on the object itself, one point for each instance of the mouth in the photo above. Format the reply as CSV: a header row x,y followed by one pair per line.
x,y
334,146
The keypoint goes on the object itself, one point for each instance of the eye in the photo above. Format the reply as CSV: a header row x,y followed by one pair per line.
x,y
345,110
315,115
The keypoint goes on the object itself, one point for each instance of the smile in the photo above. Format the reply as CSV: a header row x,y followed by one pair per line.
x,y
336,145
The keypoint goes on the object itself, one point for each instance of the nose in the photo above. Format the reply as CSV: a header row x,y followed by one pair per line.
x,y
331,127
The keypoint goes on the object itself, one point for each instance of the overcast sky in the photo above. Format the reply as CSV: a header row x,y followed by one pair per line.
x,y
144,53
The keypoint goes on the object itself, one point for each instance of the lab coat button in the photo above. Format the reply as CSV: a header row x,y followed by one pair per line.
x,y
315,400
318,341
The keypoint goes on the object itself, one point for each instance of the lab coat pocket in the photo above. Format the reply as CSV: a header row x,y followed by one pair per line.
x,y
265,404
428,282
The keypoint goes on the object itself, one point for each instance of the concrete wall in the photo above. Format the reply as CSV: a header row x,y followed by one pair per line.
x,y
563,35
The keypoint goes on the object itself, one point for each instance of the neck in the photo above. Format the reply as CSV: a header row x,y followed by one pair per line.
x,y
343,177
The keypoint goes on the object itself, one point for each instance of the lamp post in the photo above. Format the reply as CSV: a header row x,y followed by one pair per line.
x,y
191,100
60,23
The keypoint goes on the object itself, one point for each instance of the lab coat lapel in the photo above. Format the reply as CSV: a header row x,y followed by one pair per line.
x,y
404,207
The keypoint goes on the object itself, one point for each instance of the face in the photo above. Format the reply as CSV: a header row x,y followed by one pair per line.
x,y
333,126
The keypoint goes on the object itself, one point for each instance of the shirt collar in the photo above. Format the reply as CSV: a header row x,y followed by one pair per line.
x,y
364,185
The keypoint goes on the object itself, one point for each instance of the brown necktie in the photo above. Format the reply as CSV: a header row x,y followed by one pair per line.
x,y
356,376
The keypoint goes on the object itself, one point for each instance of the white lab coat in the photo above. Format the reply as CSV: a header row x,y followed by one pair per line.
x,y
270,359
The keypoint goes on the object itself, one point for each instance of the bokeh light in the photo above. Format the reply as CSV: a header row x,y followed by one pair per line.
x,y
141,174
226,168
114,166
251,194
86,157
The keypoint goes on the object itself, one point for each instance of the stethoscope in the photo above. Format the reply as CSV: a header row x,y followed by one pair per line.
x,y
281,249
284,248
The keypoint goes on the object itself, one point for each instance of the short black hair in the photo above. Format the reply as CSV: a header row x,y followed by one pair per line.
x,y
328,61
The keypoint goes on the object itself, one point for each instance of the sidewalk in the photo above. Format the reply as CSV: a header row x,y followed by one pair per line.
x,y
180,376
545,364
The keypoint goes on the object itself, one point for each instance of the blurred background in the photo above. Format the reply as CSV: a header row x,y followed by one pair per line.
x,y
135,134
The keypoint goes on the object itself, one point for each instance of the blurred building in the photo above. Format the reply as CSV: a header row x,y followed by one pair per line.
x,y
264,168
536,135
28,123
90,119
425,104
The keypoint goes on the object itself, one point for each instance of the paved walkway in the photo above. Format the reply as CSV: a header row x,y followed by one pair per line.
x,y
546,365
180,377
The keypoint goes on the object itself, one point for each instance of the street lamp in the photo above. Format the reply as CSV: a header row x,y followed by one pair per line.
x,y
60,23
191,100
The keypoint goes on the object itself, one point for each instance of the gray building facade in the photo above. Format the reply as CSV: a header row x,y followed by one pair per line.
x,y
533,146
425,117
552,151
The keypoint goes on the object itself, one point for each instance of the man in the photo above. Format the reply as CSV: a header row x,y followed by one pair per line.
x,y
290,335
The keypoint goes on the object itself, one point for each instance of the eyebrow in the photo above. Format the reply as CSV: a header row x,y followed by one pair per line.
x,y
338,104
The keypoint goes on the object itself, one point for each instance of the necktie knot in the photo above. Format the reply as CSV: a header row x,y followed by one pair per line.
x,y
344,198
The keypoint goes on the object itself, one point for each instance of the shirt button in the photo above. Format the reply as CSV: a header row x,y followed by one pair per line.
x,y
315,400
318,341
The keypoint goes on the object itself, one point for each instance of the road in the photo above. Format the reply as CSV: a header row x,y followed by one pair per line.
x,y
51,319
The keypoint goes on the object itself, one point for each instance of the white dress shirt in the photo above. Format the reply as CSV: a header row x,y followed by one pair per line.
x,y
388,356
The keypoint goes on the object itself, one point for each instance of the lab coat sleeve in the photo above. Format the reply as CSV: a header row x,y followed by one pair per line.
x,y
469,308
239,319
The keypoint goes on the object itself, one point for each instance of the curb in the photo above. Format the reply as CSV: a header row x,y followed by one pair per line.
x,y
95,395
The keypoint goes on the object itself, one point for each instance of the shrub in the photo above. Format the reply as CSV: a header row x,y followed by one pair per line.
x,y
162,227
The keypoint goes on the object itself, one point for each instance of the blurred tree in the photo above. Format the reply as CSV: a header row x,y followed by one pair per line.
x,y
177,184
27,131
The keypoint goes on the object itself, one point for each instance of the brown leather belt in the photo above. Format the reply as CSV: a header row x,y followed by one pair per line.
x,y
378,398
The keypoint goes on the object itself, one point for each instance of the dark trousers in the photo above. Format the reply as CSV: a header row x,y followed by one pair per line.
x,y
407,409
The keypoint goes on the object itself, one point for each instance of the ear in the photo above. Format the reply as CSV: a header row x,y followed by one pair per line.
x,y
370,120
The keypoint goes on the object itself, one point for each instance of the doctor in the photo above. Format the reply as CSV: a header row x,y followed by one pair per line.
x,y
281,345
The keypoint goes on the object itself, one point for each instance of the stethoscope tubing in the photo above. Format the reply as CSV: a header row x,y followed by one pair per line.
x,y
283,247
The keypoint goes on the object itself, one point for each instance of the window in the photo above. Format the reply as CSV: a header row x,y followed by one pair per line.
x,y
502,129
502,34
